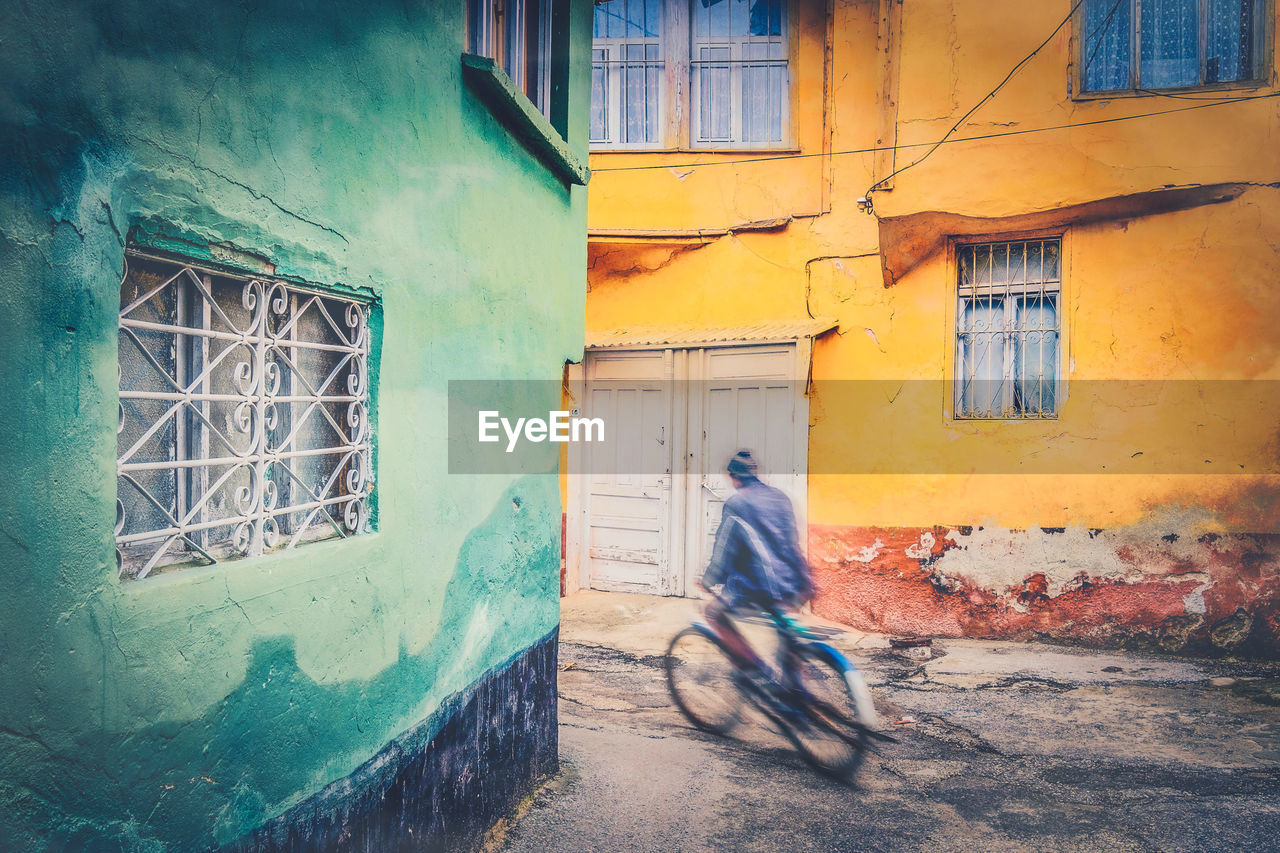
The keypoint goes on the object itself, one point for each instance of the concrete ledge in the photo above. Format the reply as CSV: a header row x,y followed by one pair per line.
x,y
908,239
518,113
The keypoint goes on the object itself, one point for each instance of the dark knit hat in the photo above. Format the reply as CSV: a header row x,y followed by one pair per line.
x,y
742,465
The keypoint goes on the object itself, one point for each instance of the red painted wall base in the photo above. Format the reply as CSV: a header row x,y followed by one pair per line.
x,y
1100,588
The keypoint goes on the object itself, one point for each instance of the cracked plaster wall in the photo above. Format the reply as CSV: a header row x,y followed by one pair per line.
x,y
1185,296
344,150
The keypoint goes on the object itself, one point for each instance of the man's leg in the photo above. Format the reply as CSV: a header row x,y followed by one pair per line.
x,y
737,645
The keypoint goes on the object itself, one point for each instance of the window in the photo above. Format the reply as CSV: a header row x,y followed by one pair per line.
x,y
1007,329
517,33
1169,44
244,416
728,59
626,74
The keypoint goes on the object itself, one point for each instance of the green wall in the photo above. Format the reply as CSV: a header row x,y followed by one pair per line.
x,y
339,142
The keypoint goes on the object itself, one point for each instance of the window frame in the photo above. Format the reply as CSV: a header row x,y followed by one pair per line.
x,y
677,96
501,30
193,455
1264,70
613,99
954,385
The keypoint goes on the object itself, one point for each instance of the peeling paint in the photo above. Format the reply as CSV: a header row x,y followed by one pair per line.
x,y
1120,588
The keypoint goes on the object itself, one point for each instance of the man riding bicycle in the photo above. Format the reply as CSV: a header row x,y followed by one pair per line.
x,y
758,560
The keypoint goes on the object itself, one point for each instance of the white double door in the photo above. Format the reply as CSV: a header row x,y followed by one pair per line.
x,y
644,506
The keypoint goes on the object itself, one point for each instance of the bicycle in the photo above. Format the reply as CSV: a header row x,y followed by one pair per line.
x,y
826,714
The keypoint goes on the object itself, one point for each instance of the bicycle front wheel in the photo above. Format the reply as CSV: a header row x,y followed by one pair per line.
x,y
702,681
826,731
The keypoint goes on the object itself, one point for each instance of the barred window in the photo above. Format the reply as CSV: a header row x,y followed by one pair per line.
x,y
734,55
1008,329
1170,44
243,420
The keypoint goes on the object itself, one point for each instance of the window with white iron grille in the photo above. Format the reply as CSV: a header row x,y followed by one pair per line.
x,y
1008,329
714,73
243,420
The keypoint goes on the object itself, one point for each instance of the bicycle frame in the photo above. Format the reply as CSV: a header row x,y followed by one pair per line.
x,y
793,635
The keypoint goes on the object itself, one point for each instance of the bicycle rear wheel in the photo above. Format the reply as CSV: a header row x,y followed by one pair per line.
x,y
826,732
702,681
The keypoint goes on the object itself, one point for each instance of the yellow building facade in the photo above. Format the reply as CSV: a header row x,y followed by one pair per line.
x,y
1012,271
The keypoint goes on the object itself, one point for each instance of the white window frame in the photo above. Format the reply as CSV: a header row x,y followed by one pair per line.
x,y
736,66
679,95
612,63
235,488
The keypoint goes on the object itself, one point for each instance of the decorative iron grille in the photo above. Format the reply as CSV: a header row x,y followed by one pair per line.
x,y
243,420
1008,329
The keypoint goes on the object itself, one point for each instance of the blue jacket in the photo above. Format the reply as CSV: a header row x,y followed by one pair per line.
x,y
757,552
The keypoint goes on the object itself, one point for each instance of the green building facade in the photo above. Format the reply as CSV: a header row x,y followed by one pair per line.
x,y
391,684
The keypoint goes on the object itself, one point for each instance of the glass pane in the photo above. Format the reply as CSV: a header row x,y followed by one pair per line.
x,y
762,92
599,96
478,22
980,356
148,365
1228,51
766,18
653,92
982,265
1170,32
717,17
604,22
1105,55
1051,272
627,86
713,93
537,51
637,92
1036,355
729,18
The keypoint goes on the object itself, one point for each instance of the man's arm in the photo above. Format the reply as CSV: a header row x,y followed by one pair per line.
x,y
723,551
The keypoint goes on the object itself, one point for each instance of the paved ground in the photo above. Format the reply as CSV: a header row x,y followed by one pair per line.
x,y
1016,747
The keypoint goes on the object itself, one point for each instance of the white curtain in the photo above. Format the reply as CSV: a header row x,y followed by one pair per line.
x,y
1228,53
1169,39
1105,56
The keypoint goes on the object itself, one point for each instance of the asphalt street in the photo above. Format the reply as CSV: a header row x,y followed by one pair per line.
x,y
1004,746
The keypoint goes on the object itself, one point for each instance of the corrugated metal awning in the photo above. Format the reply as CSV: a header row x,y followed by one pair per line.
x,y
693,336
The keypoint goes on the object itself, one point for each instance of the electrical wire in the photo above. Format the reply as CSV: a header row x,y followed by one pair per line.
x,y
975,107
978,138
946,137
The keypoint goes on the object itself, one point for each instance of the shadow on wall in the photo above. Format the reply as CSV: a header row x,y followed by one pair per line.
x,y
277,738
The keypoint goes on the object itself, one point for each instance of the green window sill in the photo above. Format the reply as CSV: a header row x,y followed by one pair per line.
x,y
522,118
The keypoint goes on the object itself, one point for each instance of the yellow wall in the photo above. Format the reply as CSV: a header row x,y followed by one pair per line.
x,y
1186,295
